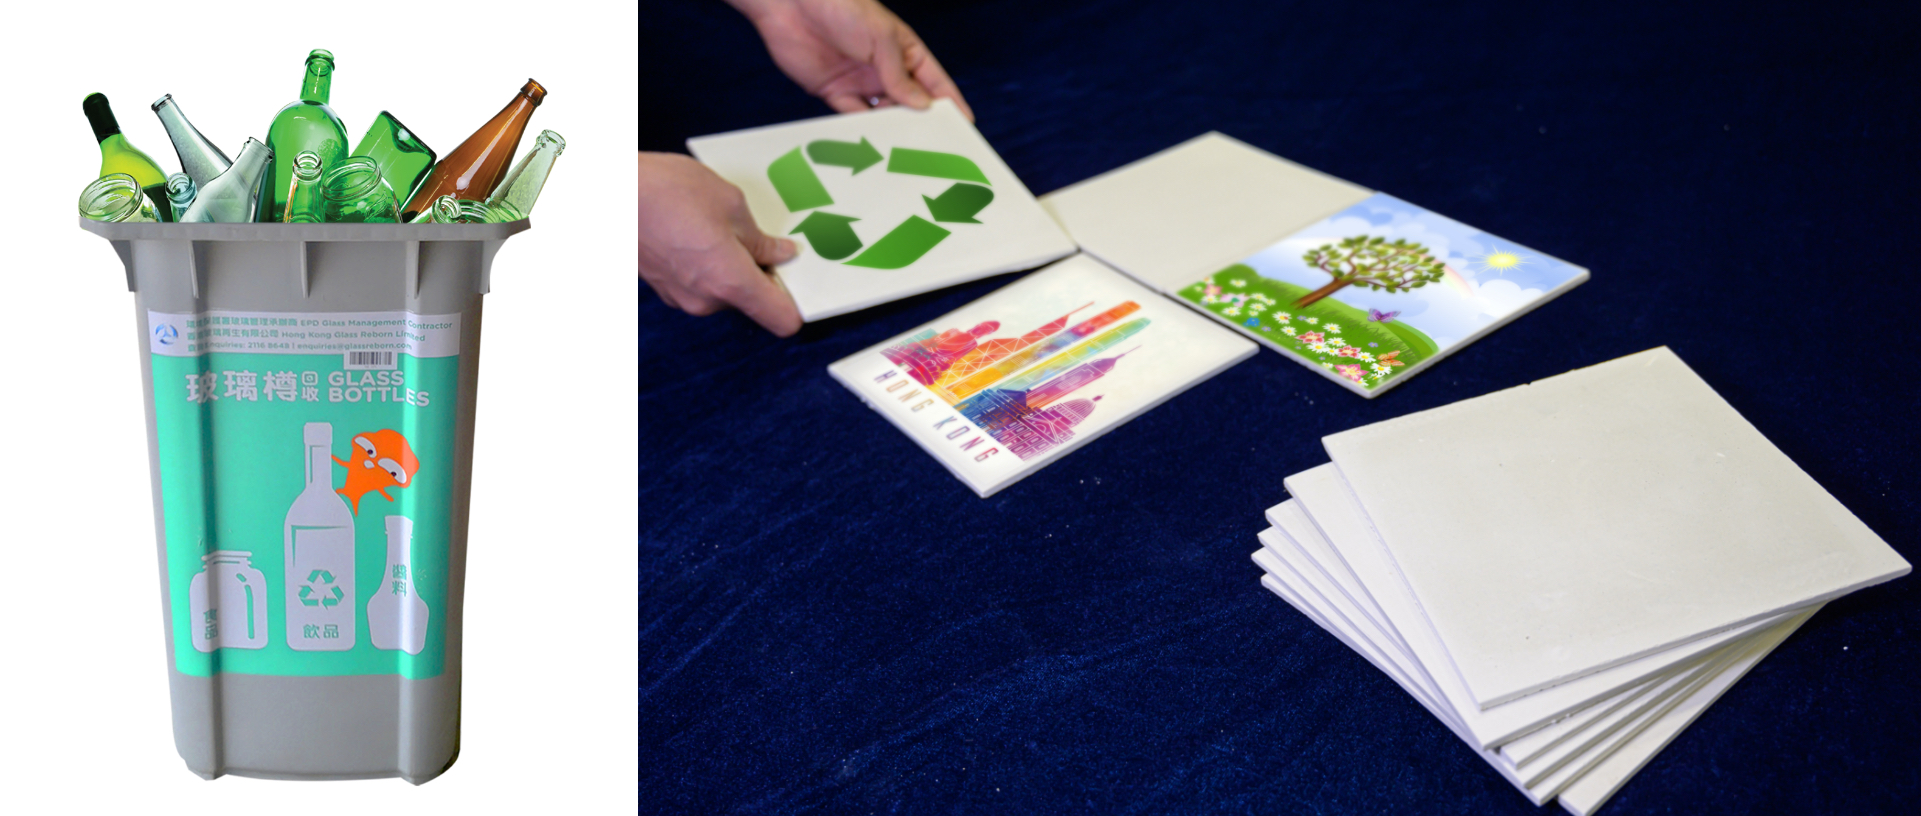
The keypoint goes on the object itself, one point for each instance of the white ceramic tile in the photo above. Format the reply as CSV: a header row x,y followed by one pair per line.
x,y
1004,385
1193,208
1286,584
1590,520
1007,233
1586,795
1338,519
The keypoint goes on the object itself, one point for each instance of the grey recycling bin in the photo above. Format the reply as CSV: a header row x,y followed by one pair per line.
x,y
310,404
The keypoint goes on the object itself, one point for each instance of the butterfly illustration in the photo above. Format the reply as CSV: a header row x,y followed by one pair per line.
x,y
1388,358
1378,316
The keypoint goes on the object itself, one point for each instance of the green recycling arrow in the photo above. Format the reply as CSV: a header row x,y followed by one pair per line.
x,y
799,188
960,203
320,576
856,156
829,234
902,245
939,165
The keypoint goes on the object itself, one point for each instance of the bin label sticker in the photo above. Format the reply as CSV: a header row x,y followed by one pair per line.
x,y
306,469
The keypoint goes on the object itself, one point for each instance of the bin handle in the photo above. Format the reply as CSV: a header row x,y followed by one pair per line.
x,y
124,249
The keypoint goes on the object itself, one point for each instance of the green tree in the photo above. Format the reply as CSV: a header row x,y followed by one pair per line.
x,y
1376,263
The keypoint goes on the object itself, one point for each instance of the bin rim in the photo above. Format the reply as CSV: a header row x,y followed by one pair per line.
x,y
271,232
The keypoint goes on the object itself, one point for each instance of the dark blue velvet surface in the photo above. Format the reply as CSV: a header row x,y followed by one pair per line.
x,y
831,623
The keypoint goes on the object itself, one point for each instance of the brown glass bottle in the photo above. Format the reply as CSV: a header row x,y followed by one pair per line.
x,y
470,172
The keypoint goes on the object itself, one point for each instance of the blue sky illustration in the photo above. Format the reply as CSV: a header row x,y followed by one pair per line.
x,y
1443,310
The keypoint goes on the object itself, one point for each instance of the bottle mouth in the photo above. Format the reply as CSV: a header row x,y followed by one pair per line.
x,y
548,137
534,91
179,188
162,101
307,166
113,197
320,61
350,179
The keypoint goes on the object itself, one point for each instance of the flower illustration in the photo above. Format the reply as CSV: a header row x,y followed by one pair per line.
x,y
1350,351
1333,327
1313,337
1211,290
1238,283
1232,311
1252,321
1313,320
1352,372
1289,330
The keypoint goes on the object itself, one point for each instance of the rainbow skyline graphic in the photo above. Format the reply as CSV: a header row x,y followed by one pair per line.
x,y
1016,389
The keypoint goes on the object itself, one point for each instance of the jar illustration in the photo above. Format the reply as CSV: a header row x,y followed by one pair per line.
x,y
228,602
397,616
319,535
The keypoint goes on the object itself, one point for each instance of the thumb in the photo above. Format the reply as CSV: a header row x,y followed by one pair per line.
x,y
767,250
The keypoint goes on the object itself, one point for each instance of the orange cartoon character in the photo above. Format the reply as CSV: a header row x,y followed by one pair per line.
x,y
381,459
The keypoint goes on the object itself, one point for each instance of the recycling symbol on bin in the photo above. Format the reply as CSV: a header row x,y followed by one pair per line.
x,y
327,594
832,234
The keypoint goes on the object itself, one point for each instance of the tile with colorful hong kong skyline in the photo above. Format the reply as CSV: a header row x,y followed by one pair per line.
x,y
1037,368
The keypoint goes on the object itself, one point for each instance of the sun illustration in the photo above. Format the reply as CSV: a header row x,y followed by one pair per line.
x,y
1499,261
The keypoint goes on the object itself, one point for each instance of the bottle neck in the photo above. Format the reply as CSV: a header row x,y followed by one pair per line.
x,y
100,117
320,467
318,84
399,552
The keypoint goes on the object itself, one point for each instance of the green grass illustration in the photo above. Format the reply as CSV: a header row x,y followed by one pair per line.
x,y
1328,333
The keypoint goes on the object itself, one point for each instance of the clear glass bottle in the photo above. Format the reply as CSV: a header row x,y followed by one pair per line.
x,y
403,158
319,536
227,603
304,125
517,191
117,155
354,193
304,199
200,159
450,210
115,197
475,167
396,614
231,198
180,193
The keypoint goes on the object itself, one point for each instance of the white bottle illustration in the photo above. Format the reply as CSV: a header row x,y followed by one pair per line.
x,y
396,616
320,555
228,603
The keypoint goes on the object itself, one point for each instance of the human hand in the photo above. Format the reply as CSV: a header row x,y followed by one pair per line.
x,y
855,54
700,249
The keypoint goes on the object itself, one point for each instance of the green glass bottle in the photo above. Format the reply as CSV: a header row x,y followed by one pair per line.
x,y
115,197
516,194
304,199
118,156
403,158
180,193
354,193
303,126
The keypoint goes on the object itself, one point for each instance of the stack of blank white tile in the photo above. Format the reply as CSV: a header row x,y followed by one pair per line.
x,y
1567,573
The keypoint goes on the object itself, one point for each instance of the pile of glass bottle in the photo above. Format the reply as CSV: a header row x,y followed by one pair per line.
x,y
303,173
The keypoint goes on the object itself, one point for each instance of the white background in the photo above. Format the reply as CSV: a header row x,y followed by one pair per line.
x,y
548,722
